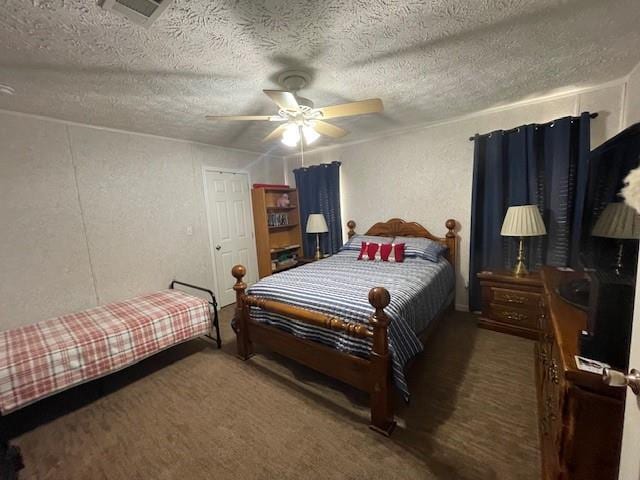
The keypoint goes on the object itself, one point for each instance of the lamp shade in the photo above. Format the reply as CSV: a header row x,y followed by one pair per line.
x,y
617,220
523,221
316,223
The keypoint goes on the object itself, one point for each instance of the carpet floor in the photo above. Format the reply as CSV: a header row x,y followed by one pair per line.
x,y
195,412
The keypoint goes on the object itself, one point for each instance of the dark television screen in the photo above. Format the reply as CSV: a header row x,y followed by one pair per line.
x,y
607,290
609,164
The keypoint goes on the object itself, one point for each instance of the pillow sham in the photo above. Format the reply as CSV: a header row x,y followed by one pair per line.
x,y
354,242
423,248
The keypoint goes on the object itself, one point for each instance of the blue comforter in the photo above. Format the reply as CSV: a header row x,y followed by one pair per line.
x,y
339,285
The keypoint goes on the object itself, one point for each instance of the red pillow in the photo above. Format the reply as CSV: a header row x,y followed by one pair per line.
x,y
385,251
363,248
372,249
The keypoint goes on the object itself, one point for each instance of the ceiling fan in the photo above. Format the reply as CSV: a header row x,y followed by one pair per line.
x,y
301,119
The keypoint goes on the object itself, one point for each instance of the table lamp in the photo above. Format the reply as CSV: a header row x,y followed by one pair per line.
x,y
317,224
522,221
618,221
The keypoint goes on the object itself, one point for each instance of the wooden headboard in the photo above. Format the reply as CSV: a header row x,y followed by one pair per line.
x,y
397,227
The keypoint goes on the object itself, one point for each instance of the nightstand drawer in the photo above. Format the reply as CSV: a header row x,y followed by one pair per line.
x,y
515,298
511,304
522,317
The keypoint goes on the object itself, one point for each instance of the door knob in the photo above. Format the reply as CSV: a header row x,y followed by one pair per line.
x,y
615,378
218,247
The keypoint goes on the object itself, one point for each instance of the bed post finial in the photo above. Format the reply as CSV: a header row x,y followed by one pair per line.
x,y
381,403
241,318
452,242
351,225
451,227
379,298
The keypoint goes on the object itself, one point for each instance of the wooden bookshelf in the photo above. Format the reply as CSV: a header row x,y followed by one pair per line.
x,y
272,241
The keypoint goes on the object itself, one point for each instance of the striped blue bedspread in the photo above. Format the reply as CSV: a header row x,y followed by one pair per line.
x,y
339,285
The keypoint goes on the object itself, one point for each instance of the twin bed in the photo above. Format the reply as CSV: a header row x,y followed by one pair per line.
x,y
321,314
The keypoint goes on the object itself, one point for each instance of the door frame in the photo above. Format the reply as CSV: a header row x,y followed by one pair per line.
x,y
254,255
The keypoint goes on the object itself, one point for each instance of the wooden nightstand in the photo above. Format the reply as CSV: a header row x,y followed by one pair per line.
x,y
511,304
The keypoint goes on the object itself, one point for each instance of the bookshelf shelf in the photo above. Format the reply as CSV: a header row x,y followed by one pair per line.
x,y
286,267
284,249
277,209
278,227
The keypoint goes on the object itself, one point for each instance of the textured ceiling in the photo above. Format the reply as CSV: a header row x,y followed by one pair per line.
x,y
427,60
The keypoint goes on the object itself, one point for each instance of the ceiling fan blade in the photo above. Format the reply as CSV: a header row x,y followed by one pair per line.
x,y
269,118
285,100
276,133
328,130
372,105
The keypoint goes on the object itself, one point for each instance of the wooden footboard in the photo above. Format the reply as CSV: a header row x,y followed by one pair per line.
x,y
372,375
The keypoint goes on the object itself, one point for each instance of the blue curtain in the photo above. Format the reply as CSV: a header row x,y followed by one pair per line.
x,y
545,165
319,192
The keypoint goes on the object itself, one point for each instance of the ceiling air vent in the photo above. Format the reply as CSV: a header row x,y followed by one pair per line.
x,y
142,12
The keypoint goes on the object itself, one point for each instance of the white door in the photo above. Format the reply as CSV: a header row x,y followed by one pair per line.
x,y
630,459
230,229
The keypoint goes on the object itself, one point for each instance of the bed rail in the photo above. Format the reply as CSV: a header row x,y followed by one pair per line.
x,y
213,303
317,319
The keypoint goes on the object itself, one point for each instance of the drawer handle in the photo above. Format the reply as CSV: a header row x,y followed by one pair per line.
x,y
509,298
515,316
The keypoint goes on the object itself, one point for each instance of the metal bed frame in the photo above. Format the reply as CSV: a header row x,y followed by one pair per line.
x,y
213,303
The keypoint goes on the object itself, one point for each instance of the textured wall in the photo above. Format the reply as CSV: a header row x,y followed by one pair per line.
x,y
633,97
426,175
90,216
267,170
43,253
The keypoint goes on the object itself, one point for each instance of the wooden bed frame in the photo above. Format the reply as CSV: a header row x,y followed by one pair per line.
x,y
371,375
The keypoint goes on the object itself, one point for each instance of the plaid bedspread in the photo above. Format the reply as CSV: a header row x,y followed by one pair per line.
x,y
41,359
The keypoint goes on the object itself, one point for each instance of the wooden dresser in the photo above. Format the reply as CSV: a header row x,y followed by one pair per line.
x,y
580,417
511,304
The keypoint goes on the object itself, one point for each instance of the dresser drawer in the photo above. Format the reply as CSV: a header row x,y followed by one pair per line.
x,y
522,317
515,298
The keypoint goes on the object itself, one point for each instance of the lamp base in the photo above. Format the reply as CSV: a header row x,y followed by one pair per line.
x,y
318,253
520,269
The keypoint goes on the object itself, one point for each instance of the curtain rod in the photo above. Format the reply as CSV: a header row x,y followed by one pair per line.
x,y
471,139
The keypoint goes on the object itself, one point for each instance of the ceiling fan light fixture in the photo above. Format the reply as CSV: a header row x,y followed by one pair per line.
x,y
291,135
310,135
